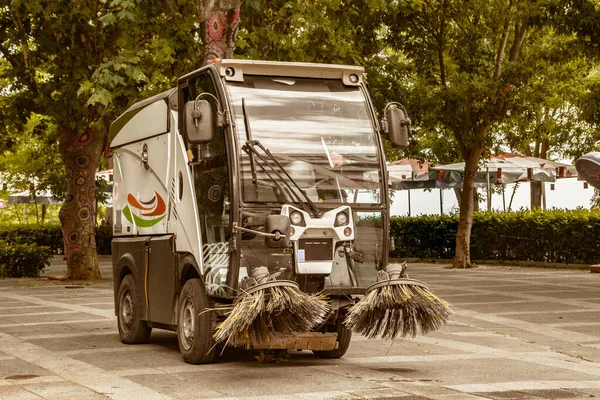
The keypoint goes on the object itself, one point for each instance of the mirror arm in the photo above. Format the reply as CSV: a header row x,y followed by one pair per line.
x,y
395,103
222,115
276,236
222,118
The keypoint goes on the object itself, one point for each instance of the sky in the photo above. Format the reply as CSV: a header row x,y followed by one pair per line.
x,y
568,194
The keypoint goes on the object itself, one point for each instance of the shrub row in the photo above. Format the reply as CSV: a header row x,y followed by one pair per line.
x,y
559,236
23,260
50,235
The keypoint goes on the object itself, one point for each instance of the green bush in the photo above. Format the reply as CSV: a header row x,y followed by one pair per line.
x,y
50,235
560,236
23,260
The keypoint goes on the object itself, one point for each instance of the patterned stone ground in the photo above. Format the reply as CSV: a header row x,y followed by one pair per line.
x,y
518,333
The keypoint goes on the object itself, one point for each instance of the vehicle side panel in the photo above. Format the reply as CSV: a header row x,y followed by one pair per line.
x,y
153,264
162,276
140,192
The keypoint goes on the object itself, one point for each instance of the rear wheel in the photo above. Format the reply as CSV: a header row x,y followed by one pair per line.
x,y
195,326
343,339
132,329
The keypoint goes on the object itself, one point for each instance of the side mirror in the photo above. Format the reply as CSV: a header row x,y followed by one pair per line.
x,y
398,126
198,122
278,225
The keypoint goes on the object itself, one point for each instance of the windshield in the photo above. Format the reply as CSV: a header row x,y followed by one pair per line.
x,y
321,133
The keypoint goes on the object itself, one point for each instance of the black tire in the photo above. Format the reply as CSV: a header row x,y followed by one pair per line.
x,y
195,328
343,339
132,329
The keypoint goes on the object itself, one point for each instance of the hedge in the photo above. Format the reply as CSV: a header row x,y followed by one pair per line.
x,y
50,235
23,260
558,236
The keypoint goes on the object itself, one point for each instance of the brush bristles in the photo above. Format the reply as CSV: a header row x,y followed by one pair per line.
x,y
393,310
266,313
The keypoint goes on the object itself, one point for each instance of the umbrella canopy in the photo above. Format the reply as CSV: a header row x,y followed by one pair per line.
x,y
501,170
588,168
561,170
404,174
42,197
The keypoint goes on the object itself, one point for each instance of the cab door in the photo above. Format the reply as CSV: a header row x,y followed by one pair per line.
x,y
209,167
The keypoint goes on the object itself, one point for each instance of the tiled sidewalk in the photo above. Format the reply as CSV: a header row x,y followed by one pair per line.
x,y
517,334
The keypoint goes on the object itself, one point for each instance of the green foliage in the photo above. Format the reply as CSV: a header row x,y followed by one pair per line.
x,y
545,113
23,260
81,65
560,236
33,160
50,236
595,200
326,31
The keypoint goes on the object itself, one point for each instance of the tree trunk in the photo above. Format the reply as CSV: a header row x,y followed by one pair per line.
x,y
458,194
76,214
535,192
536,187
220,21
462,258
512,196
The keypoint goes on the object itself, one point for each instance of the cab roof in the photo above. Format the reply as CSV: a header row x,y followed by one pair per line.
x,y
234,70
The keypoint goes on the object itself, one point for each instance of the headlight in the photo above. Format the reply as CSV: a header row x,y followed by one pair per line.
x,y
296,218
341,219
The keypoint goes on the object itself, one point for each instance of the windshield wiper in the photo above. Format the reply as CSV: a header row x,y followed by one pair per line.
x,y
250,148
249,138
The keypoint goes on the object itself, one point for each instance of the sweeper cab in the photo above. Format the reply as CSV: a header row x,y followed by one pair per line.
x,y
249,173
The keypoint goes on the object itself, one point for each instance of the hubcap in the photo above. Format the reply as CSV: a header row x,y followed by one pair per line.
x,y
126,313
188,323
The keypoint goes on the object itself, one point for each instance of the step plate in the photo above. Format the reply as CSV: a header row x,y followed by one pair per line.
x,y
303,341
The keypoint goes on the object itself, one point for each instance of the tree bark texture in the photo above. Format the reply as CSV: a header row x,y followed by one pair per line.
x,y
220,24
77,212
462,257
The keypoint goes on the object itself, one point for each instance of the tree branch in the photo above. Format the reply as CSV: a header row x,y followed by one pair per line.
x,y
520,33
441,45
502,44
29,75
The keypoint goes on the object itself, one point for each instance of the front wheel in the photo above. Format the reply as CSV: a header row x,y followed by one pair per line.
x,y
132,329
343,339
195,325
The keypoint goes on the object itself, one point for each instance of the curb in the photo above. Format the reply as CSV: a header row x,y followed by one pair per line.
x,y
504,263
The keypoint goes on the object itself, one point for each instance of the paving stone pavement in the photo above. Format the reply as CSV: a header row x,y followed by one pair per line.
x,y
517,333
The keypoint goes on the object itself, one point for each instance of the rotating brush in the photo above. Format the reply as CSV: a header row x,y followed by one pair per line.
x,y
397,305
268,308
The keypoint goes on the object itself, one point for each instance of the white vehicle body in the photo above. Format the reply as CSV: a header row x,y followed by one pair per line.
x,y
293,139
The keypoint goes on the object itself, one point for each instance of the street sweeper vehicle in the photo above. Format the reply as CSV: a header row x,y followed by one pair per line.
x,y
251,209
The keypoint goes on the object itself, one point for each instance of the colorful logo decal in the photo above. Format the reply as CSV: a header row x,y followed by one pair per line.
x,y
156,210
